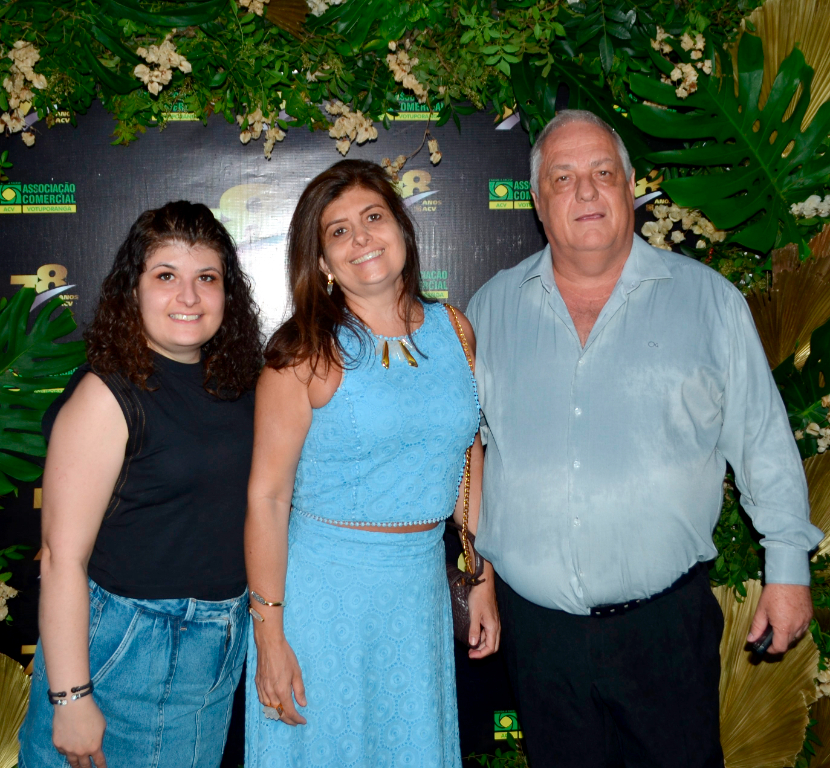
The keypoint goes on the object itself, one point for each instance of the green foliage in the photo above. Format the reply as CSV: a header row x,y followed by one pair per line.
x,y
10,554
471,54
512,757
739,551
764,164
802,391
4,164
33,369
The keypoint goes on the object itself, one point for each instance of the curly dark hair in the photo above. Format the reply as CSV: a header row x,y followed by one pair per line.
x,y
311,333
116,343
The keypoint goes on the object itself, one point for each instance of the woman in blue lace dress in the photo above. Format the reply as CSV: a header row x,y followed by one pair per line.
x,y
363,416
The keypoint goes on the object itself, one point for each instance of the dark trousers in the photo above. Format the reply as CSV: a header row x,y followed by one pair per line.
x,y
638,690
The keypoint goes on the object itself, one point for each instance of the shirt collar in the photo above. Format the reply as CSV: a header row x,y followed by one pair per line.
x,y
643,263
540,266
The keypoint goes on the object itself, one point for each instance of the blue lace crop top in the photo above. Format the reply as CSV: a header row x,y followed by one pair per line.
x,y
388,448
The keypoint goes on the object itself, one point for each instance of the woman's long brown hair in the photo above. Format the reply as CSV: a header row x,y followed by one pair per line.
x,y
311,334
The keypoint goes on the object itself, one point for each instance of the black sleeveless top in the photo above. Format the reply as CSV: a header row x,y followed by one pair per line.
x,y
173,527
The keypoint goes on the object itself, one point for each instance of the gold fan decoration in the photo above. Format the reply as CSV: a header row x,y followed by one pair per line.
x,y
289,15
797,303
817,469
783,24
763,706
14,701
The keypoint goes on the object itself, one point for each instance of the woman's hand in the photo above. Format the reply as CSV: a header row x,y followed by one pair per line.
x,y
278,676
78,732
485,626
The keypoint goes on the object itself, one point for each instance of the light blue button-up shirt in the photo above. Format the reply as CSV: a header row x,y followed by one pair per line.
x,y
605,463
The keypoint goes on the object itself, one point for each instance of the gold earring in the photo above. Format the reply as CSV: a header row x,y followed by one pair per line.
x,y
330,284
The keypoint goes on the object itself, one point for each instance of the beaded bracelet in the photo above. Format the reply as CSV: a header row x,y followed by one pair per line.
x,y
59,699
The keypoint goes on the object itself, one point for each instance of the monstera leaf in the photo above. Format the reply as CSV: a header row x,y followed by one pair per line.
x,y
803,389
536,98
33,370
763,163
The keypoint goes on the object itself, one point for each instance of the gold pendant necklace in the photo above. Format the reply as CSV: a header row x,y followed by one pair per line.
x,y
397,349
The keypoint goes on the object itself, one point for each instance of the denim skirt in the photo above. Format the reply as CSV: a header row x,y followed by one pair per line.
x,y
164,673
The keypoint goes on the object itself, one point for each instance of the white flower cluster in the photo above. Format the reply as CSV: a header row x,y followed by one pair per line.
x,y
257,123
6,593
393,167
319,7
660,43
256,6
434,152
823,683
349,126
684,76
666,216
811,207
24,56
815,430
166,58
401,66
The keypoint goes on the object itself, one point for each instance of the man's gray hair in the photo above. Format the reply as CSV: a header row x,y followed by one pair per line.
x,y
566,117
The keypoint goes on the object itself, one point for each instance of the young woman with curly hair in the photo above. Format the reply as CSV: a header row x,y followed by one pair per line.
x,y
143,602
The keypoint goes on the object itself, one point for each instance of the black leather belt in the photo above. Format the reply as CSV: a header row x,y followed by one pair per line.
x,y
618,609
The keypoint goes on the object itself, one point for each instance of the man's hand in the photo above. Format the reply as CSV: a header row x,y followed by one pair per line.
x,y
788,608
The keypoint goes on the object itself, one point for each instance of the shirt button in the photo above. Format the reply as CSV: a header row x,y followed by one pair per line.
x,y
576,465
581,361
578,411
576,521
581,574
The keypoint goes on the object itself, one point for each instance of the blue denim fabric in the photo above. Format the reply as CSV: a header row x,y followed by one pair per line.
x,y
164,673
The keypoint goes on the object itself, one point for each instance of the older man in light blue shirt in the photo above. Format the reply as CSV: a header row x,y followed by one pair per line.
x,y
616,382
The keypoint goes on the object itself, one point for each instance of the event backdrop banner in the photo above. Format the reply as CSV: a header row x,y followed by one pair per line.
x,y
71,199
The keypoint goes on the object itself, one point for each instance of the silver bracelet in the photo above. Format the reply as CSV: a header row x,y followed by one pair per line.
x,y
262,601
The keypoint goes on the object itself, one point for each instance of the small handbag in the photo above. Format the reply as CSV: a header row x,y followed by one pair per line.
x,y
461,582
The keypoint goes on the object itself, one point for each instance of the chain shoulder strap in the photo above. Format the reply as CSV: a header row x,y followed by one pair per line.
x,y
469,560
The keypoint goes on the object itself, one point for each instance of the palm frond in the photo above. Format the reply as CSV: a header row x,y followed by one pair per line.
x,y
14,701
797,303
289,15
817,469
784,24
763,706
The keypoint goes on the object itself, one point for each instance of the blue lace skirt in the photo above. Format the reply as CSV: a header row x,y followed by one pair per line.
x,y
369,619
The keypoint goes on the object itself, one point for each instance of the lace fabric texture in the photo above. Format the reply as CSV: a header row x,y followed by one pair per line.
x,y
370,622
368,613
